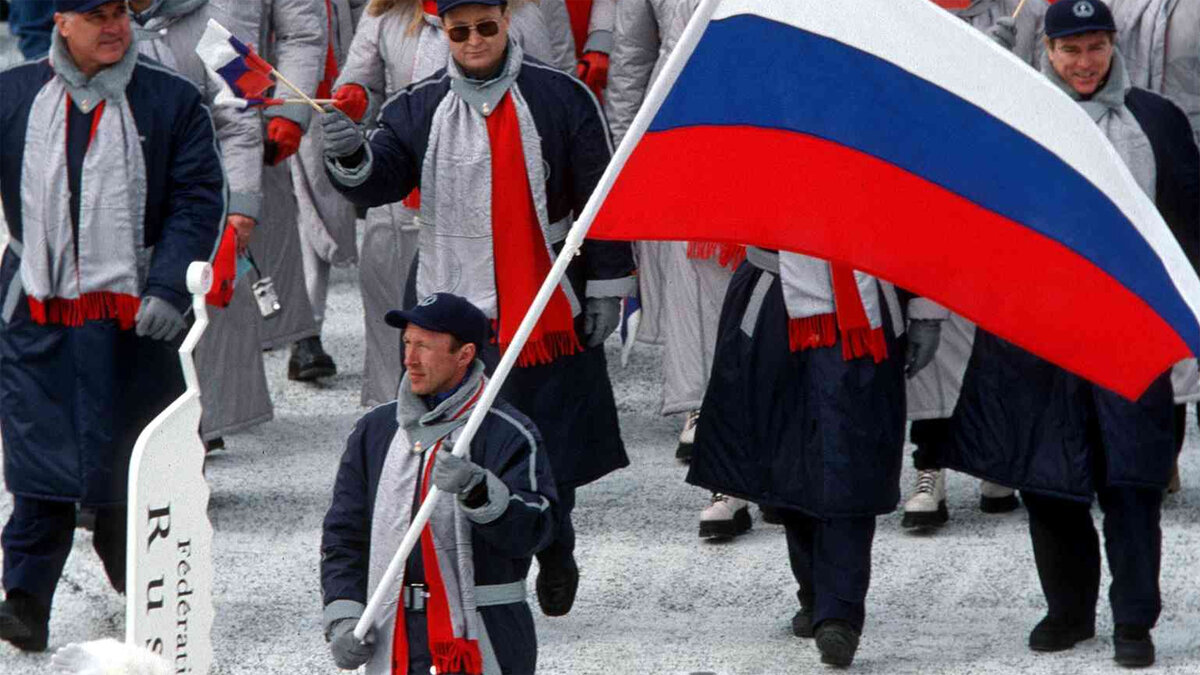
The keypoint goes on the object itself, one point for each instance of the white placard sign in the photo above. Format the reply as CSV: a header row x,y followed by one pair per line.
x,y
169,575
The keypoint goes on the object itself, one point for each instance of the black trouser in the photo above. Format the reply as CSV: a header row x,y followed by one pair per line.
x,y
929,436
1181,425
563,547
831,560
37,541
1067,550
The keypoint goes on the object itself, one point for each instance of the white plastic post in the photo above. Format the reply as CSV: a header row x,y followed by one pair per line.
x,y
169,570
657,94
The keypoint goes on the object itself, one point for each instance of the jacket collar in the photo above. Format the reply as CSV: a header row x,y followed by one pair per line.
x,y
484,95
1109,98
426,426
162,13
108,84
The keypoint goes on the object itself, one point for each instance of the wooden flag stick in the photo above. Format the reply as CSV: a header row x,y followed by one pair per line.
x,y
303,96
1019,8
318,101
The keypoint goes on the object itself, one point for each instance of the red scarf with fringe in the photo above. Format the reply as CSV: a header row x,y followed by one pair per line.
x,y
450,654
519,249
325,87
849,319
94,306
728,255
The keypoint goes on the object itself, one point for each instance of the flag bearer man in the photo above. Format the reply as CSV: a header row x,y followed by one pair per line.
x,y
112,186
1063,441
504,150
460,606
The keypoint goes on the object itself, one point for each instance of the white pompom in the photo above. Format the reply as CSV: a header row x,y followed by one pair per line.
x,y
108,657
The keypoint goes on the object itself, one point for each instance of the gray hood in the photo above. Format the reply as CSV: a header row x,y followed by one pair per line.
x,y
162,13
109,83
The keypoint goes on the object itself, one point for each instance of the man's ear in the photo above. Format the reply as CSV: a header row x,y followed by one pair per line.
x,y
468,351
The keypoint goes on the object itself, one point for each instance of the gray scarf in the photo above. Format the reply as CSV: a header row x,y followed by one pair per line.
x,y
456,188
422,431
1107,109
100,272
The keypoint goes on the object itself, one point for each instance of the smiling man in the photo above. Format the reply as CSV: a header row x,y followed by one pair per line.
x,y
111,186
506,150
1063,441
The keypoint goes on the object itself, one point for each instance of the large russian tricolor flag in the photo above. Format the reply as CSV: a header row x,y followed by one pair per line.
x,y
889,135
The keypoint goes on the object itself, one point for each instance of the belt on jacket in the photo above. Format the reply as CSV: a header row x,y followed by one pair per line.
x,y
416,596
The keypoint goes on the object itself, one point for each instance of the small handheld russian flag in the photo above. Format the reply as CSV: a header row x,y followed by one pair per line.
x,y
247,74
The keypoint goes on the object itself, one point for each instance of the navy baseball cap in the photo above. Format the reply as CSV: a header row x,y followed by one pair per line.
x,y
1072,17
79,5
444,6
445,313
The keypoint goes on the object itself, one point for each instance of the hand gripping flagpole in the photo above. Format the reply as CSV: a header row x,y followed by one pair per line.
x,y
574,241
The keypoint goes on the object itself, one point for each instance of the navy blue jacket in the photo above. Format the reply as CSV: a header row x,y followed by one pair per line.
x,y
575,146
185,191
73,400
503,548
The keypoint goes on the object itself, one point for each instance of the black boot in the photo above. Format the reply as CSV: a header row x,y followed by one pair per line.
x,y
309,361
1132,646
837,642
24,623
1053,634
556,586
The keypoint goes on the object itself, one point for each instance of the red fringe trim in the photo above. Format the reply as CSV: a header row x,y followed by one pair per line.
x,y
728,255
96,306
457,656
812,332
821,331
546,350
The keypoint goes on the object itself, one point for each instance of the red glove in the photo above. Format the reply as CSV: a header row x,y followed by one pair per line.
x,y
224,270
352,100
593,70
283,140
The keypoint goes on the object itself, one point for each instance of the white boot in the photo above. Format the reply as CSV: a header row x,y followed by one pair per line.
x,y
725,517
927,505
687,437
996,498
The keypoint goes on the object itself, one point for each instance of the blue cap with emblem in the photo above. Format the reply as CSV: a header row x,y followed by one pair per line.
x,y
444,6
446,313
80,5
1072,17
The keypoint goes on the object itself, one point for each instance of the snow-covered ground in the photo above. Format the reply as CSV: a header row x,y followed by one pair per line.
x,y
654,598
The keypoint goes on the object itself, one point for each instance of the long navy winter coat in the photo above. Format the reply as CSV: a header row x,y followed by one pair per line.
x,y
1025,423
806,430
73,400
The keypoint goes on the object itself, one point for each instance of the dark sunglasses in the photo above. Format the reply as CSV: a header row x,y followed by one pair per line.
x,y
485,29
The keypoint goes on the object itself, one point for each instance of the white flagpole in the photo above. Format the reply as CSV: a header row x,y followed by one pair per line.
x,y
654,98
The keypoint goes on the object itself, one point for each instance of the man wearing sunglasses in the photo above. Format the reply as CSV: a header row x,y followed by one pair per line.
x,y
505,149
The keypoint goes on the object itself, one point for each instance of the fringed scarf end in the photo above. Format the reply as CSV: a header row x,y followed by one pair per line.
x,y
812,332
550,347
73,312
457,656
727,255
860,342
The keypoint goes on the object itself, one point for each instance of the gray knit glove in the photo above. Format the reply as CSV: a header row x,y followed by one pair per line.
x,y
456,475
1004,32
342,136
158,320
348,652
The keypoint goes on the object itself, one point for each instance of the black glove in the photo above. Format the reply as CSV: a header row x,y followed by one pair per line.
x,y
924,336
600,318
158,320
348,652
